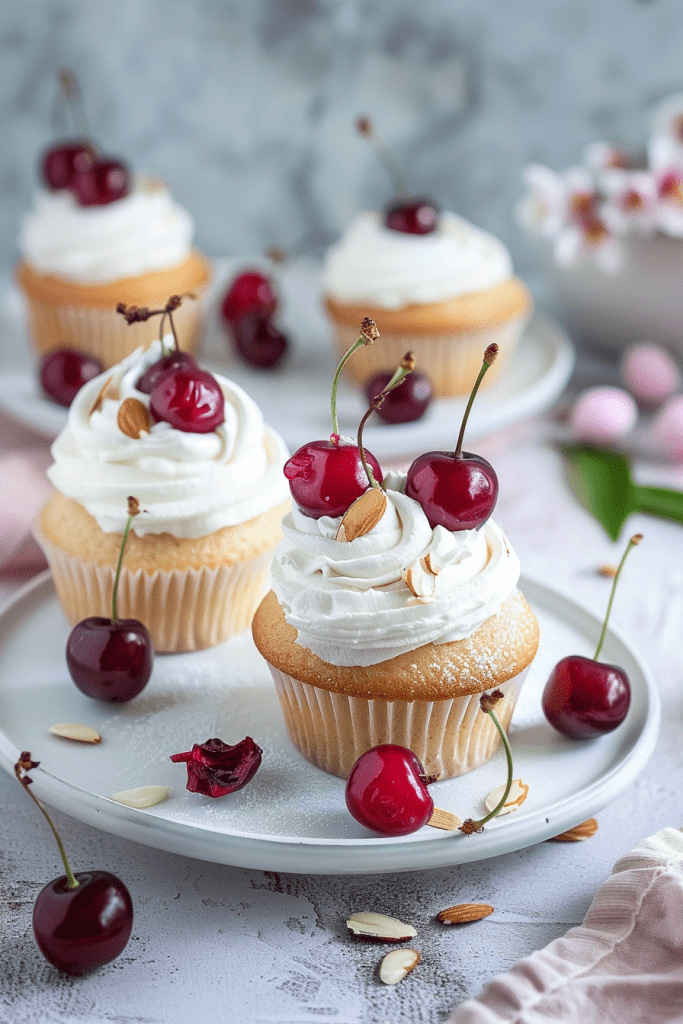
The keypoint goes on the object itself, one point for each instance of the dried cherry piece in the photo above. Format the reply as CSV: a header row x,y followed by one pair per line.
x,y
215,768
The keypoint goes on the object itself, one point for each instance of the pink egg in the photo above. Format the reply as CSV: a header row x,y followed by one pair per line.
x,y
603,413
650,373
667,428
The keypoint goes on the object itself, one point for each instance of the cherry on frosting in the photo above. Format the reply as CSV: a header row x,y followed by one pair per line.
x,y
175,360
61,163
103,182
412,216
190,400
326,477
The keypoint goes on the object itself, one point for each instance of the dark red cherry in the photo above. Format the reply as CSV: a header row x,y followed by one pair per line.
x,y
215,768
387,791
404,404
61,163
190,400
85,927
167,364
258,341
104,181
458,492
64,372
585,698
412,217
110,660
250,292
326,478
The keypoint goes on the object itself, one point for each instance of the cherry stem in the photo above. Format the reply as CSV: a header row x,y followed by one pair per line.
x,y
470,826
73,102
636,539
139,314
23,765
489,357
368,334
385,157
406,366
133,510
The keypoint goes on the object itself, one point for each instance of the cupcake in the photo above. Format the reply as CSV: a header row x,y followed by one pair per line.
x,y
444,293
211,491
79,259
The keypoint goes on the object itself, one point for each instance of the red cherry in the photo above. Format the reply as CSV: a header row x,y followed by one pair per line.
x,y
167,364
215,768
258,341
326,478
104,181
78,929
64,372
61,163
412,217
110,660
405,403
387,791
585,698
456,492
251,291
190,400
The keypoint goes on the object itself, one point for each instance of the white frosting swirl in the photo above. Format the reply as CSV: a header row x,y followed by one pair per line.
x,y
387,268
144,231
349,602
189,485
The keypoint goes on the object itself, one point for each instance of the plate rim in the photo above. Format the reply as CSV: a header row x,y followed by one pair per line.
x,y
355,855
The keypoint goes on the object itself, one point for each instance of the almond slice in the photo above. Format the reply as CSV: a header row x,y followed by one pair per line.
x,y
363,515
133,418
516,797
76,731
397,964
143,796
464,912
578,834
418,580
379,927
430,565
102,394
444,819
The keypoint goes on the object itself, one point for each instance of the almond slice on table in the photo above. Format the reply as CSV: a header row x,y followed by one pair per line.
x,y
379,927
133,418
142,796
516,797
362,515
397,964
76,731
578,834
464,912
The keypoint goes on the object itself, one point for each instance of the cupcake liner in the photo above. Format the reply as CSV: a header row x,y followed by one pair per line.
x,y
450,737
451,361
183,609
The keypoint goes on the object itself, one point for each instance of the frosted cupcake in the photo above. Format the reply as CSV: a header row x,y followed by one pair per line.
x,y
79,261
198,555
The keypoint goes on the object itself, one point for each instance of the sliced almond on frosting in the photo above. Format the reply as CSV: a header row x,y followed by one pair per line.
x,y
516,797
363,515
76,731
397,964
102,394
142,796
419,580
379,927
133,418
429,563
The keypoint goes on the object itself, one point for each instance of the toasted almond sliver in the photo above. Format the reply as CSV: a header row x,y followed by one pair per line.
x,y
418,580
464,912
133,418
369,925
76,731
516,797
363,515
444,819
397,964
101,395
143,796
430,564
584,830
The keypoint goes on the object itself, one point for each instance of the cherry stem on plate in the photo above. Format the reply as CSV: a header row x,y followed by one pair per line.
x,y
635,539
133,511
368,334
24,765
489,357
73,102
385,156
487,701
407,365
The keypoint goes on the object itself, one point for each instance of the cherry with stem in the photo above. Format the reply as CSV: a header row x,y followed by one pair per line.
x,y
487,703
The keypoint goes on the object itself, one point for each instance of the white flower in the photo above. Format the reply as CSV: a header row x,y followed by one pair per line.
x,y
631,202
666,158
666,119
603,156
588,239
542,212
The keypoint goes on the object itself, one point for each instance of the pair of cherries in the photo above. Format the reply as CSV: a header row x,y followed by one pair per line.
x,y
94,180
247,310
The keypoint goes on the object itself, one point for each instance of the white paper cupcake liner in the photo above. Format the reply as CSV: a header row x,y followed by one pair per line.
x,y
450,737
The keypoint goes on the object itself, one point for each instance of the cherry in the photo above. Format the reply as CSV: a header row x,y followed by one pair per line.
x,y
583,697
387,791
326,477
61,163
215,768
412,217
457,490
80,921
257,340
190,400
103,182
111,659
64,372
404,404
175,360
250,292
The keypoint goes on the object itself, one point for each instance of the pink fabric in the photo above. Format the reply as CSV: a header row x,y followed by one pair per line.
x,y
24,489
623,964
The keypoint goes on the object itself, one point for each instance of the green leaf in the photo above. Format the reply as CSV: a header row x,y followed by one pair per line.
x,y
601,480
660,501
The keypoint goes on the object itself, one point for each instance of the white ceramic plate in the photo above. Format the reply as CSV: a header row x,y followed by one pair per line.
x,y
295,398
292,816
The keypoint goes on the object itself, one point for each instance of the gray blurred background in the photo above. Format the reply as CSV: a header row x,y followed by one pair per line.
x,y
247,107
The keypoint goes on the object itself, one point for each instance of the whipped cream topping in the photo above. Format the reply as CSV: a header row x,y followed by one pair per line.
x,y
142,232
350,602
188,485
387,268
